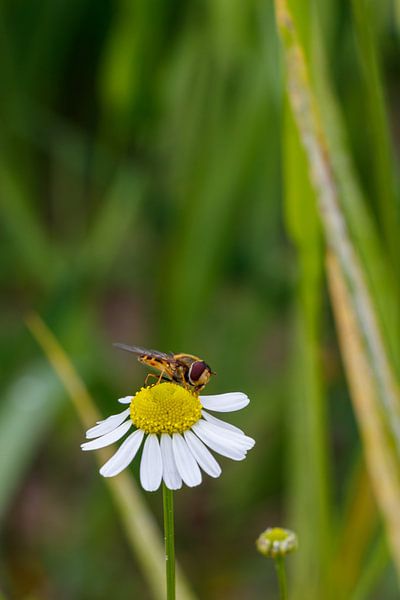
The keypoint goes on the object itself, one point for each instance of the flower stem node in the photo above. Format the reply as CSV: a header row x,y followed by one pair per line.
x,y
275,542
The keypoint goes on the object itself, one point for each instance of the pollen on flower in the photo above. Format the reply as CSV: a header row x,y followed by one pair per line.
x,y
165,408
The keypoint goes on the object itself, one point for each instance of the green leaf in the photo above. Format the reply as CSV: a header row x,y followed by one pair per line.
x,y
27,411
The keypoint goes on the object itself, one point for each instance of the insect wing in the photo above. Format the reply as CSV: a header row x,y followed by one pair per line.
x,y
144,351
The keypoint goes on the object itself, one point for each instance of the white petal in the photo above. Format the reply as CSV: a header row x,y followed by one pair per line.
x,y
203,456
171,477
217,442
187,466
107,425
124,455
125,400
243,442
151,464
225,402
109,438
212,419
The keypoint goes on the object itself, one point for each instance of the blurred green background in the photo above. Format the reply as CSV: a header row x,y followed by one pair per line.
x,y
148,195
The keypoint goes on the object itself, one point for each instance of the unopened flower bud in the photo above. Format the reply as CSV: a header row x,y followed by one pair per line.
x,y
274,542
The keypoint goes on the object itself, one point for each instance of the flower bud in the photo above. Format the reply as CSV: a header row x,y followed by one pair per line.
x,y
274,542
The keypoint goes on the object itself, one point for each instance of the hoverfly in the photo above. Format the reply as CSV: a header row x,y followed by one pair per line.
x,y
185,369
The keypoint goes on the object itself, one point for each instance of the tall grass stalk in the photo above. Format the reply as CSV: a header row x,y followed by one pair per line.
x,y
309,468
373,568
355,533
307,118
382,283
381,460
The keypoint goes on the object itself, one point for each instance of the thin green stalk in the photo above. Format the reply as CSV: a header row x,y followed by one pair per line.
x,y
168,501
281,574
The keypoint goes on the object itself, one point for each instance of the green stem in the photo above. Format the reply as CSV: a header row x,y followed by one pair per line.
x,y
168,501
281,574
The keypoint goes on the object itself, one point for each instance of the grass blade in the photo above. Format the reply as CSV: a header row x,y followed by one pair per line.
x,y
382,283
114,220
355,534
381,459
385,188
335,227
309,502
23,424
383,386
26,232
374,567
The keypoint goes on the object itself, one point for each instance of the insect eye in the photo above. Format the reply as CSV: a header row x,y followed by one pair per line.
x,y
198,371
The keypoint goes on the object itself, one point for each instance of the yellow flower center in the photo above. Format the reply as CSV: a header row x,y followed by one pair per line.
x,y
165,408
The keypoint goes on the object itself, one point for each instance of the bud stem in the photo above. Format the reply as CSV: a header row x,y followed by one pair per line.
x,y
168,502
281,574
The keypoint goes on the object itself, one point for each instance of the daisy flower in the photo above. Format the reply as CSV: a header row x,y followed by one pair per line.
x,y
176,431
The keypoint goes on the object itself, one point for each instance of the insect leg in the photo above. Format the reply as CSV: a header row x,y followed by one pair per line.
x,y
161,377
148,377
184,382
